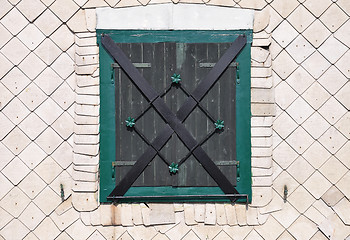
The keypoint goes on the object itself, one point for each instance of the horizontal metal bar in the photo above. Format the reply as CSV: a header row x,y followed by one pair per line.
x,y
210,65
138,65
216,196
131,163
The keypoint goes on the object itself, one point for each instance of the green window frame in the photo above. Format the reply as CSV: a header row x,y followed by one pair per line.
x,y
107,112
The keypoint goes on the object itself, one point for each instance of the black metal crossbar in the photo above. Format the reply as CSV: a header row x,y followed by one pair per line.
x,y
175,122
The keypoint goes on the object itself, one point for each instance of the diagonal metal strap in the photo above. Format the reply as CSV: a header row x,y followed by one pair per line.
x,y
174,121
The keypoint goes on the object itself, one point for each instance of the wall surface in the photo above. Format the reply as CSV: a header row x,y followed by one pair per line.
x,y
49,128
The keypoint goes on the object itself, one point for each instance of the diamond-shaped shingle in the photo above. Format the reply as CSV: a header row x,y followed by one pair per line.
x,y
5,96
300,110
343,64
284,155
48,170
317,7
284,95
47,22
14,21
316,65
15,81
5,36
5,125
343,125
49,111
16,111
303,228
64,96
332,139
332,49
343,96
15,171
31,9
301,193
5,7
32,155
316,39
15,202
32,185
343,184
300,169
16,141
15,51
6,65
48,86
284,125
284,34
284,8
31,36
32,216
316,125
332,110
342,34
32,96
300,140
63,38
316,95
32,66
14,230
6,156
64,9
48,51
333,17
316,155
284,65
6,186
63,66
333,170
32,126
47,229
300,49
332,80
64,125
49,140
301,18
42,200
317,185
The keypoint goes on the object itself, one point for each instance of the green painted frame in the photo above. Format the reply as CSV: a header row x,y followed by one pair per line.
x,y
107,111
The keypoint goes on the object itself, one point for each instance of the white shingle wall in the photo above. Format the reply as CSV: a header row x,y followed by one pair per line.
x,y
49,128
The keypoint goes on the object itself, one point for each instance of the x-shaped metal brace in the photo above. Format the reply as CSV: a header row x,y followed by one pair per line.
x,y
174,122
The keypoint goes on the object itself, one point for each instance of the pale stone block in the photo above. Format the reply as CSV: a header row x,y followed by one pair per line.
x,y
297,195
64,206
15,171
86,69
85,81
261,196
85,186
261,42
15,202
342,208
271,229
86,34
87,168
136,214
314,215
78,231
259,109
145,214
259,4
84,176
84,201
14,21
78,22
241,214
210,214
262,181
230,214
259,54
273,206
90,50
161,214
91,90
300,49
332,196
87,110
261,141
66,219
262,162
262,172
261,151
106,214
16,116
220,214
303,228
86,139
189,214
262,121
86,129
261,72
90,15
94,217
86,41
47,206
86,120
126,215
261,20
301,18
91,150
85,160
262,95
179,207
199,213
15,51
261,131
